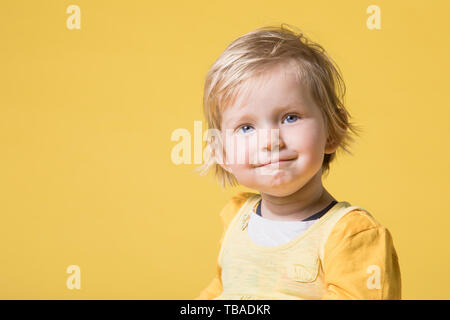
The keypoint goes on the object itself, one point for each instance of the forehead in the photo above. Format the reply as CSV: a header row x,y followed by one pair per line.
x,y
273,90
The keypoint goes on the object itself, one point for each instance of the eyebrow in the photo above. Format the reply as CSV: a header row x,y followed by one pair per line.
x,y
234,120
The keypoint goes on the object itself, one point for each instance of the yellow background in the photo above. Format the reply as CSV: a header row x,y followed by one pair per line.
x,y
86,118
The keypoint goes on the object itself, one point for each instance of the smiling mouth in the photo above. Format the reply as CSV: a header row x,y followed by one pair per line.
x,y
274,162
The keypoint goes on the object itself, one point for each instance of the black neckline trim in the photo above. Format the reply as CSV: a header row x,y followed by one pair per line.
x,y
315,216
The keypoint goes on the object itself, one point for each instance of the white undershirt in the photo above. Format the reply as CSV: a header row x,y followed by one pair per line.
x,y
267,232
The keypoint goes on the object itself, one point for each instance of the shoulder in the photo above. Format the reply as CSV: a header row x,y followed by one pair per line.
x,y
233,205
356,226
355,221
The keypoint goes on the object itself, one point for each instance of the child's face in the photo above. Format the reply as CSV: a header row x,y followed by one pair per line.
x,y
279,102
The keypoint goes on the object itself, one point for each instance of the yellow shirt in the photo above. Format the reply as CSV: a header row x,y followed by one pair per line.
x,y
345,254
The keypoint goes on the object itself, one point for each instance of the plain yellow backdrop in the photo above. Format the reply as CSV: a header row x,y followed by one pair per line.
x,y
86,118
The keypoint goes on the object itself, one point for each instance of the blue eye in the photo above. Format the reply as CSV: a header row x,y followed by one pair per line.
x,y
245,126
292,116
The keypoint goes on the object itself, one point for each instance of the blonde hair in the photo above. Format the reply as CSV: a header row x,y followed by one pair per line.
x,y
252,54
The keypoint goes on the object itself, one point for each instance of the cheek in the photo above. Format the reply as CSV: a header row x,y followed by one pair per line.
x,y
304,139
239,150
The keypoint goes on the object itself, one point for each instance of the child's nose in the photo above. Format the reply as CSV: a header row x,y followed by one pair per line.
x,y
271,139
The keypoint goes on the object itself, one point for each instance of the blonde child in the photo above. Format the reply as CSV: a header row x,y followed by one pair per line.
x,y
292,239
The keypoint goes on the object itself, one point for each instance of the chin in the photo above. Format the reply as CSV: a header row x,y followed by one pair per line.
x,y
277,190
281,186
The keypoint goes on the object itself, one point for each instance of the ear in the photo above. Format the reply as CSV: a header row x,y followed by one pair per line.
x,y
331,146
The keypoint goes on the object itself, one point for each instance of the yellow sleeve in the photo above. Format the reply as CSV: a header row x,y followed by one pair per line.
x,y
360,261
227,214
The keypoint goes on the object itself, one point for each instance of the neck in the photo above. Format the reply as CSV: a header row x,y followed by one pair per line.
x,y
303,203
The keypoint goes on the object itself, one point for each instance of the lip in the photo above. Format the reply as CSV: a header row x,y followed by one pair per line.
x,y
272,162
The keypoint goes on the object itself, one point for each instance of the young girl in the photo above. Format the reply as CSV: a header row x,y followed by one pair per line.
x,y
276,99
